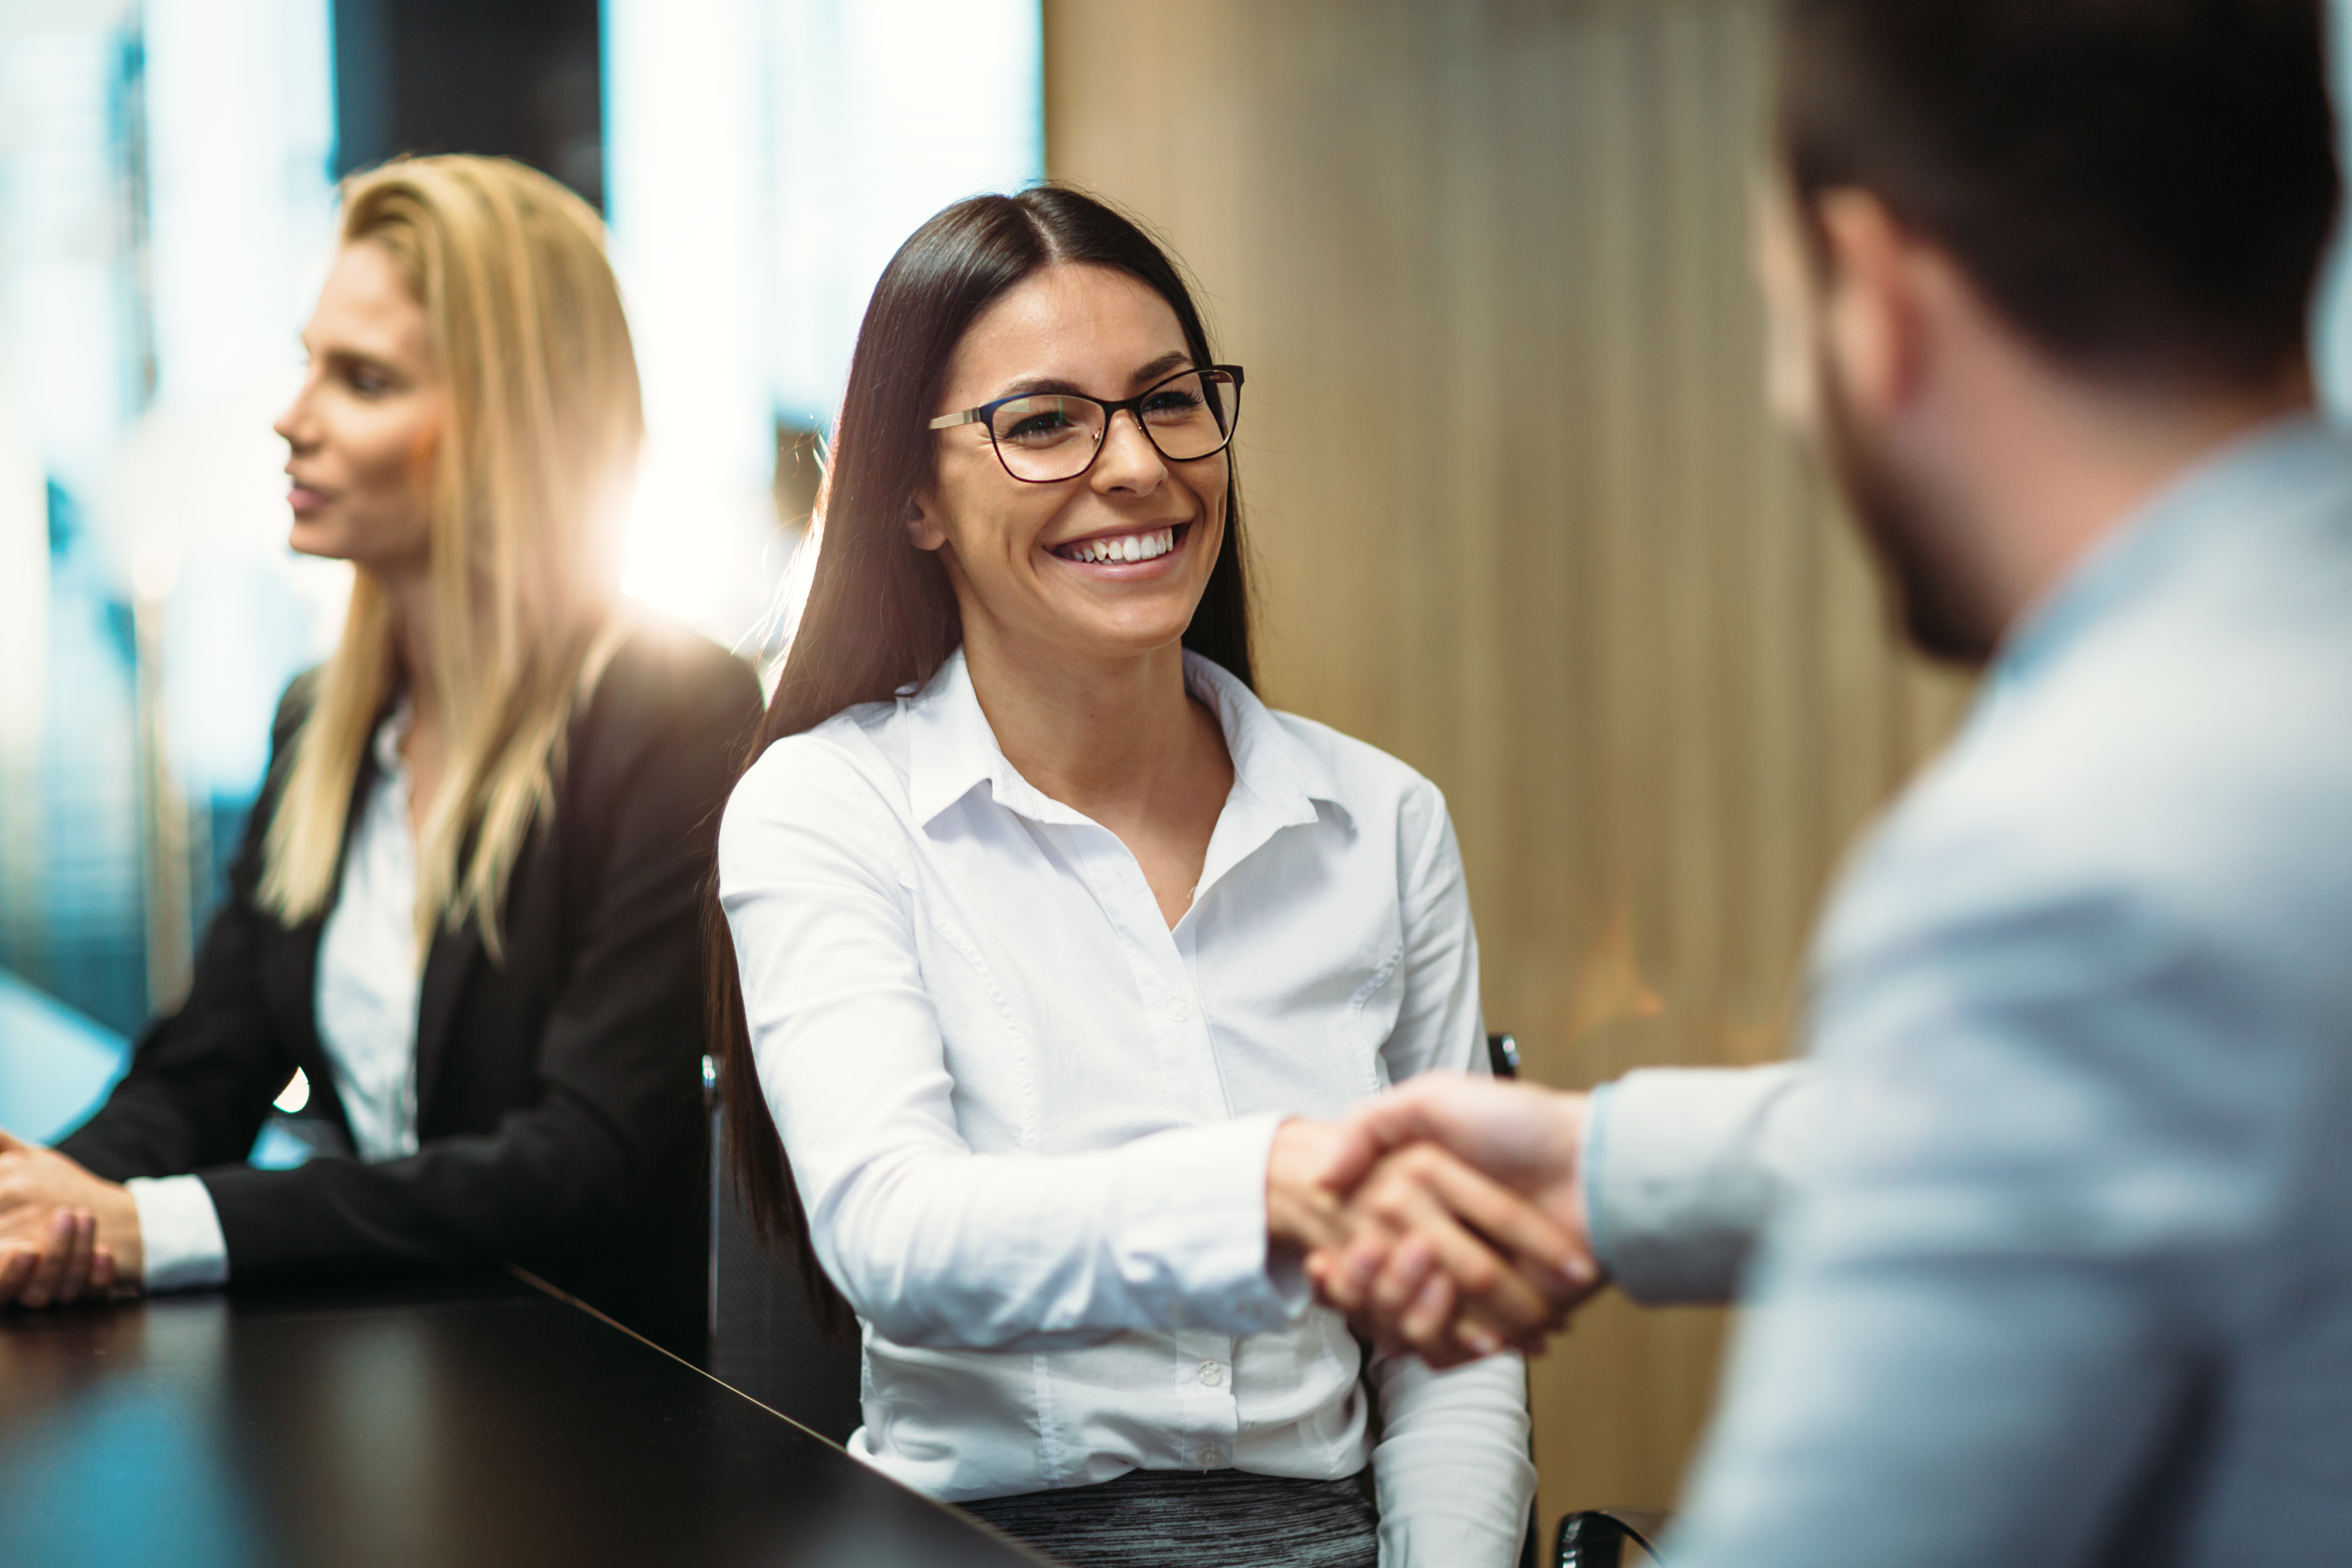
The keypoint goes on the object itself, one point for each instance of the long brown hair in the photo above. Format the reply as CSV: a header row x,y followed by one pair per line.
x,y
881,614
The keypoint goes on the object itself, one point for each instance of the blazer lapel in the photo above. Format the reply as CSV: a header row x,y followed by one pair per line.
x,y
447,968
291,972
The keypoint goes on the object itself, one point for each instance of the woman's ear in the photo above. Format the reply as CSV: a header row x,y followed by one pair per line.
x,y
923,529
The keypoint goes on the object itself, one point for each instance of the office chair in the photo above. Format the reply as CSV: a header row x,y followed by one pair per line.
x,y
763,1340
1598,1539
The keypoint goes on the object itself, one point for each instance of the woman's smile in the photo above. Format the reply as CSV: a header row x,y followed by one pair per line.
x,y
1126,554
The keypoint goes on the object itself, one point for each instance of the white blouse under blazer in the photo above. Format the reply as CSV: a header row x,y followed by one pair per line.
x,y
1030,1122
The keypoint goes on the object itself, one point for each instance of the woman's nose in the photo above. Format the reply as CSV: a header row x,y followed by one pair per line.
x,y
292,421
1128,460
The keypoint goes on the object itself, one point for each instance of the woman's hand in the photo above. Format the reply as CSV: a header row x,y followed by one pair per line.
x,y
1304,1207
1425,1254
1446,1264
1397,1288
64,1232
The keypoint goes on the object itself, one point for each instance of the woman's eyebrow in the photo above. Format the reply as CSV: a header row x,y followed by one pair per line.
x,y
1029,385
338,358
1166,362
1036,385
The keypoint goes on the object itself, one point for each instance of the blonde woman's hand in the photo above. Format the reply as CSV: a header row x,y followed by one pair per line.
x,y
64,1232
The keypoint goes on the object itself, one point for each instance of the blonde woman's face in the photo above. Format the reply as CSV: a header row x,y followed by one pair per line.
x,y
363,432
1027,559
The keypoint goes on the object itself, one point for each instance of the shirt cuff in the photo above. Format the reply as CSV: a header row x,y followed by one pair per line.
x,y
1681,1170
1191,1224
179,1233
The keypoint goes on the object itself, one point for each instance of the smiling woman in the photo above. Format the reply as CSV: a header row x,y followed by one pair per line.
x,y
1046,931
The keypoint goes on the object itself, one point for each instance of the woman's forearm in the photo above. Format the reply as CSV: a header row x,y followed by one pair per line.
x,y
950,1249
1451,1468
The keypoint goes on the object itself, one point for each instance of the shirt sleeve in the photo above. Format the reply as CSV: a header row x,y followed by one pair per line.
x,y
1439,1027
179,1233
936,1245
1451,1470
2055,1144
1681,1170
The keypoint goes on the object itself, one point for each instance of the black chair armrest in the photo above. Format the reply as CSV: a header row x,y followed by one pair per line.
x,y
1596,1537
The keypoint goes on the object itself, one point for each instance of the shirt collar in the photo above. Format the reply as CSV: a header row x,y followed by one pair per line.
x,y
1268,760
951,749
2281,468
388,737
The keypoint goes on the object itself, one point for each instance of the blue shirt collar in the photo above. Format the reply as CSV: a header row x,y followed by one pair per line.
x,y
2270,470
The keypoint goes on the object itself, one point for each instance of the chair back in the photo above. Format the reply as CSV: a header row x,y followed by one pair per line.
x,y
1503,1055
764,1338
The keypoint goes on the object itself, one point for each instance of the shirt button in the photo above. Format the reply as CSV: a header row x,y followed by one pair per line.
x,y
1209,1458
1212,1375
1177,1009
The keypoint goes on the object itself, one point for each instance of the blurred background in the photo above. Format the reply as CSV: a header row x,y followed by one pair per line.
x,y
1591,592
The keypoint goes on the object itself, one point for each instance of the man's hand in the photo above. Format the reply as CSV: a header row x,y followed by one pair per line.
x,y
1529,1140
64,1232
1485,1266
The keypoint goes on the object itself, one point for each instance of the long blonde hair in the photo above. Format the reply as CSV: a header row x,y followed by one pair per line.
x,y
529,490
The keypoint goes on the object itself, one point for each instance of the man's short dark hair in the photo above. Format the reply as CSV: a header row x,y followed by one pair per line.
x,y
2146,187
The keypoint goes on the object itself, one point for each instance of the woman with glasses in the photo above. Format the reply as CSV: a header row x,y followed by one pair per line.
x,y
1048,931
465,910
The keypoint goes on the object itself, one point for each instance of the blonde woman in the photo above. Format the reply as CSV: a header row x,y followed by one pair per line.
x,y
466,909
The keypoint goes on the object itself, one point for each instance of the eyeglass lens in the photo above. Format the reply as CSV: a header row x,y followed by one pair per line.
x,y
1052,436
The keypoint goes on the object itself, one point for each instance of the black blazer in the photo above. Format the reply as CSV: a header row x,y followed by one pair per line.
x,y
559,1093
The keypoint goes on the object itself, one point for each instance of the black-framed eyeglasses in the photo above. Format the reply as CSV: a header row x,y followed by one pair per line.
x,y
1046,437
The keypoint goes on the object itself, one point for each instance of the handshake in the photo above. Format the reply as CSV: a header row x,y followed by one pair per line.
x,y
1445,1219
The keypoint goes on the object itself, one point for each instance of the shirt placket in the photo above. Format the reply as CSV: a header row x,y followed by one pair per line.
x,y
1200,1366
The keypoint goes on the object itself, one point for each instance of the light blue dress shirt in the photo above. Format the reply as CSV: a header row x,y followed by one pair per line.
x,y
2064,1275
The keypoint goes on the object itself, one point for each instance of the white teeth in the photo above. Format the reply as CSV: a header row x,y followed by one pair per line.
x,y
1129,547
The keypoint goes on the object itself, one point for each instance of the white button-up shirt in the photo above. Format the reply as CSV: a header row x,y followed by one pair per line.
x,y
1030,1122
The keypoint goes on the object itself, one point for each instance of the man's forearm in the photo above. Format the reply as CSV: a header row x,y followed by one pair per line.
x,y
1681,1168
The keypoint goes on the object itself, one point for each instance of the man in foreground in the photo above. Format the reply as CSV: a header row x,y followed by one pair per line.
x,y
2056,1227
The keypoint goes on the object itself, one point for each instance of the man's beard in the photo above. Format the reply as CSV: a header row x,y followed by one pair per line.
x,y
1915,546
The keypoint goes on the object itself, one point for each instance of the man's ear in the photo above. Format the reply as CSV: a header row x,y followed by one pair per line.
x,y
1873,317
1785,280
924,531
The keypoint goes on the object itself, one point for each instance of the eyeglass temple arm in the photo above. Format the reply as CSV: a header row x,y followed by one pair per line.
x,y
969,417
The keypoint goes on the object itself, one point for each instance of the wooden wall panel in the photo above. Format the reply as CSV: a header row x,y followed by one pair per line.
x,y
1519,517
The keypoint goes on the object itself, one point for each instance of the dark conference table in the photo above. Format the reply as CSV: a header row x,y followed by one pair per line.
x,y
442,1422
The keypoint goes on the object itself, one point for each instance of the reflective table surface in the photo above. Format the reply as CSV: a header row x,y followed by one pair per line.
x,y
450,1422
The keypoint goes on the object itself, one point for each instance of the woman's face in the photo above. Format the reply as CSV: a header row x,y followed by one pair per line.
x,y
1014,549
363,428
